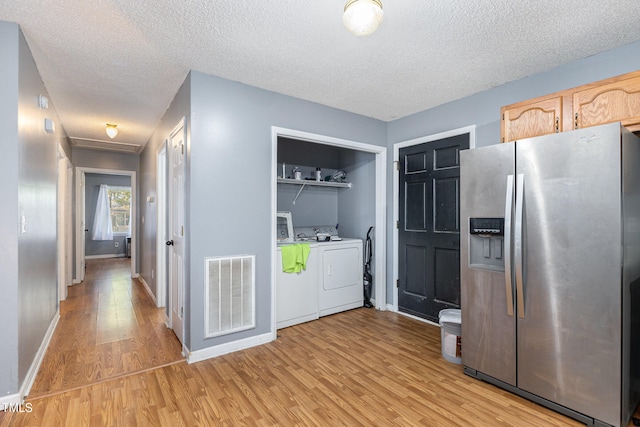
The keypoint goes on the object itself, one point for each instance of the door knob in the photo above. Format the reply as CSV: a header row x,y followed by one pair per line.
x,y
169,242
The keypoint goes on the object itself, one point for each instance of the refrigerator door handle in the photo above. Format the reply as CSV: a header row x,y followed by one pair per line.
x,y
518,244
508,208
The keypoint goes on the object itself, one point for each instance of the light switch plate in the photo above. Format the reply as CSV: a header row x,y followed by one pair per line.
x,y
49,126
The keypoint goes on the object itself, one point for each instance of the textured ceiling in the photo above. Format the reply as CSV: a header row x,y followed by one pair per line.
x,y
122,61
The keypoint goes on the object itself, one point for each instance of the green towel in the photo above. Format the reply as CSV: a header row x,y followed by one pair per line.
x,y
294,257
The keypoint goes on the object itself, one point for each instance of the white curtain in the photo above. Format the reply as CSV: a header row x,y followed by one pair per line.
x,y
102,228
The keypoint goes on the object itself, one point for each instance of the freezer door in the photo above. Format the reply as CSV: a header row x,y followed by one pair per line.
x,y
569,316
488,322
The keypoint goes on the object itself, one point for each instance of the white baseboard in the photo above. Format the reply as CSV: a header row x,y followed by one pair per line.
x,y
10,400
37,361
147,288
222,349
122,255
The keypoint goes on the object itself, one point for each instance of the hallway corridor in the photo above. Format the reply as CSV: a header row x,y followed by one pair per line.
x,y
109,328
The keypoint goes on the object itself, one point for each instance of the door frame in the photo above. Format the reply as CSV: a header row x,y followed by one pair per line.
x,y
380,231
64,223
80,176
471,130
161,227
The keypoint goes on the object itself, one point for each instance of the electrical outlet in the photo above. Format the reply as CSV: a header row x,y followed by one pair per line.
x,y
152,273
117,244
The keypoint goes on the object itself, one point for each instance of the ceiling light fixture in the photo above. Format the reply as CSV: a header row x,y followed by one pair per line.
x,y
112,130
362,17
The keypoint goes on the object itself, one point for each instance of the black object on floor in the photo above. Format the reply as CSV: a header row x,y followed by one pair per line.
x,y
368,278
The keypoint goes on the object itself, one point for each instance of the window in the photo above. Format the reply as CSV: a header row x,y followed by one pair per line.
x,y
120,204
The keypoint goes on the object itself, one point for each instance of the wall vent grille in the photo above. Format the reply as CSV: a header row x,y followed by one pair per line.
x,y
229,294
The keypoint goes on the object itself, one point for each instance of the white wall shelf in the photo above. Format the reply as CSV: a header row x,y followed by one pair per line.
x,y
303,182
314,183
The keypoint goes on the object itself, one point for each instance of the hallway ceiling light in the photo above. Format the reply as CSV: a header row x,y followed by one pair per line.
x,y
362,17
112,130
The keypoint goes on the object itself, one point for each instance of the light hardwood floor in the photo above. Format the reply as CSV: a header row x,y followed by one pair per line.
x,y
109,327
361,367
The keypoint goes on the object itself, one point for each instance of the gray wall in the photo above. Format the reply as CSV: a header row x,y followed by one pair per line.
x,y
179,108
37,198
483,110
229,213
9,41
92,188
315,205
28,260
356,211
82,157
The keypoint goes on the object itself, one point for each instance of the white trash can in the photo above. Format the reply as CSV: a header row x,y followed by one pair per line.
x,y
451,334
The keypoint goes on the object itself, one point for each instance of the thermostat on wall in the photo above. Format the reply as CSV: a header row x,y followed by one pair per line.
x,y
43,102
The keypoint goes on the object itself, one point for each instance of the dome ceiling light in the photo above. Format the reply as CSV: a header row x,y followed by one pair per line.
x,y
112,130
362,17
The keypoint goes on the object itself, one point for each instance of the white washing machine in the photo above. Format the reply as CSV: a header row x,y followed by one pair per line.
x,y
331,283
297,293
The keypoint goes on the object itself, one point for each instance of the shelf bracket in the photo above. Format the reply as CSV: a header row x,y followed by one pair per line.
x,y
299,191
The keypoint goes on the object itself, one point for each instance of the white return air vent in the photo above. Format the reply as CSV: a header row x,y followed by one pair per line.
x,y
229,294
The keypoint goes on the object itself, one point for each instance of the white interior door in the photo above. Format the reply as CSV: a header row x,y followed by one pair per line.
x,y
176,229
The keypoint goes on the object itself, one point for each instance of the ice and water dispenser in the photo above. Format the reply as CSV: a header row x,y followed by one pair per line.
x,y
486,243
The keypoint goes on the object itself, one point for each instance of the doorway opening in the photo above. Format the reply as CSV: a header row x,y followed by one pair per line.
x,y
378,206
81,222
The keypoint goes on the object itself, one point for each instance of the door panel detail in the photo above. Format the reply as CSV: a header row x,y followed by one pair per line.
x,y
416,163
447,276
445,205
416,278
416,212
446,158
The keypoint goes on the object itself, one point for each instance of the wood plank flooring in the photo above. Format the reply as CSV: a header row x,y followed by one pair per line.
x,y
361,367
108,327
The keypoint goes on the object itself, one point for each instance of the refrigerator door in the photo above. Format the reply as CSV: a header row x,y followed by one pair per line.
x,y
487,303
569,316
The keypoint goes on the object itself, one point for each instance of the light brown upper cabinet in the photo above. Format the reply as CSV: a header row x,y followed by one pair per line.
x,y
605,101
530,118
613,101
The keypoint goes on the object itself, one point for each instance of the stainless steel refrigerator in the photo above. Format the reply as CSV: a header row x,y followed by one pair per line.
x,y
550,270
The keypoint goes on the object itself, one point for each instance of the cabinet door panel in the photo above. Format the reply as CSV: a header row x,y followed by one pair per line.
x,y
617,101
535,118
